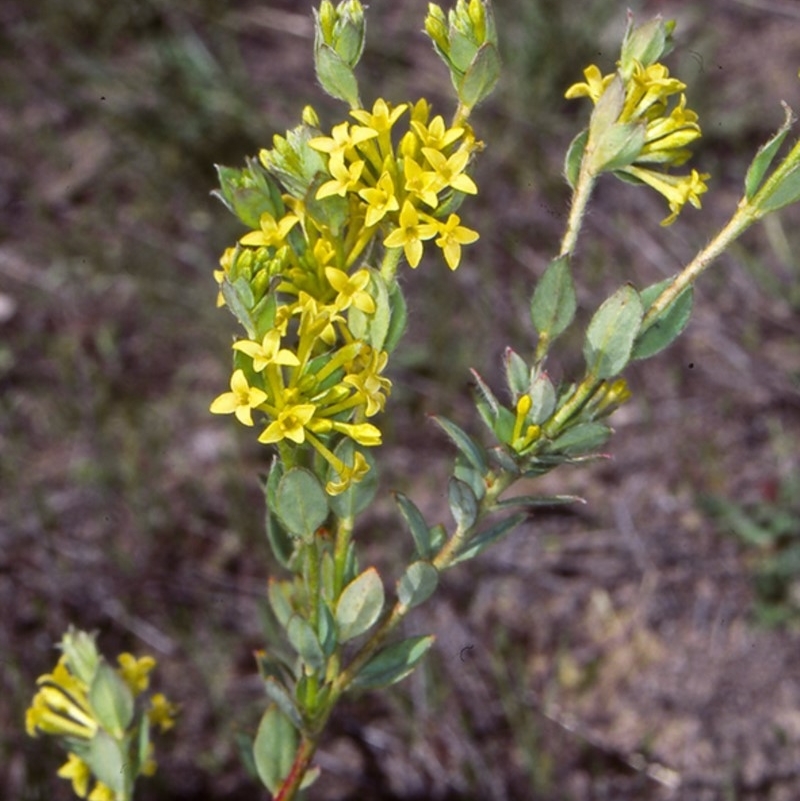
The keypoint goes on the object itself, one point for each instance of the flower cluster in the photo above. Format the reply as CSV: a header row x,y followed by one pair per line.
x,y
313,282
655,130
73,703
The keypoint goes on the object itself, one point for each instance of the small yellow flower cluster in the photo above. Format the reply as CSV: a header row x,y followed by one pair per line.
x,y
668,129
62,708
317,311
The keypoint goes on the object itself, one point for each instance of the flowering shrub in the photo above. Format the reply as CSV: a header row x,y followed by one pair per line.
x,y
332,213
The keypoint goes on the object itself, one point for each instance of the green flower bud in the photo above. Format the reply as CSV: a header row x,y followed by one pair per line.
x,y
436,28
338,45
81,651
645,44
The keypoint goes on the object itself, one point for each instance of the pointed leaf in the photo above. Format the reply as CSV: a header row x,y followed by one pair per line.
x,y
274,748
481,76
611,333
305,642
581,438
553,304
392,663
106,760
765,156
336,77
398,318
480,543
359,605
668,327
518,374
416,525
535,501
471,450
572,161
417,584
301,503
280,696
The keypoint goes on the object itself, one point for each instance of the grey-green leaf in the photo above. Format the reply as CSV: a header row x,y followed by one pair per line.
x,y
765,156
393,663
420,531
668,327
417,584
274,747
463,503
111,700
553,304
471,450
301,503
305,642
359,605
612,332
486,538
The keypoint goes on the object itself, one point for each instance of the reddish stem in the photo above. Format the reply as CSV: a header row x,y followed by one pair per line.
x,y
302,760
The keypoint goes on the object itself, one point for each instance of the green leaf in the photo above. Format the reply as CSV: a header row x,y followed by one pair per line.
x,y
572,161
481,76
393,663
111,700
765,156
332,211
480,543
398,318
281,544
581,438
784,194
274,748
327,629
543,398
417,584
280,599
486,403
358,496
142,745
239,299
280,696
463,503
336,77
465,444
305,642
553,303
106,759
301,503
419,529
359,605
465,472
536,501
617,146
518,374
668,327
612,332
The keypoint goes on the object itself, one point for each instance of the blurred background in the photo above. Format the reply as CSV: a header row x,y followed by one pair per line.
x,y
643,646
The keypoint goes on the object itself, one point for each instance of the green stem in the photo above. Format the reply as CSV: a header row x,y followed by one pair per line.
x,y
743,218
391,259
577,210
572,406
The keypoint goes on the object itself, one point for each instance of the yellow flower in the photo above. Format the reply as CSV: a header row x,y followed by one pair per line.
x,y
348,475
272,232
452,236
162,713
78,772
363,433
677,189
596,84
450,171
351,289
290,424
371,386
268,351
345,179
135,672
410,234
382,118
241,400
436,134
421,184
380,200
102,792
343,138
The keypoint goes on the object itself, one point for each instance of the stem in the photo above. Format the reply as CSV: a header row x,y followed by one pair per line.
x,y
577,210
391,259
302,761
573,405
742,219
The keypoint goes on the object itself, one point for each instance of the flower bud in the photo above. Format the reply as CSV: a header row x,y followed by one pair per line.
x,y
645,44
81,653
338,45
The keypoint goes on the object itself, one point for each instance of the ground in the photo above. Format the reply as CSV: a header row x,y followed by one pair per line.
x,y
609,650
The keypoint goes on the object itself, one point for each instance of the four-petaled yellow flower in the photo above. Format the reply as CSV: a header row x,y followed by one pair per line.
x,y
136,672
450,171
272,232
436,134
268,351
380,199
345,179
382,118
351,289
241,400
421,183
290,424
452,235
78,772
596,83
343,138
410,234
162,712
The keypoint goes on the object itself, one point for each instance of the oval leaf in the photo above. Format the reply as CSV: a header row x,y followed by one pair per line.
x,y
393,663
305,642
111,700
463,503
668,327
611,333
274,748
416,524
301,503
417,584
553,304
359,605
